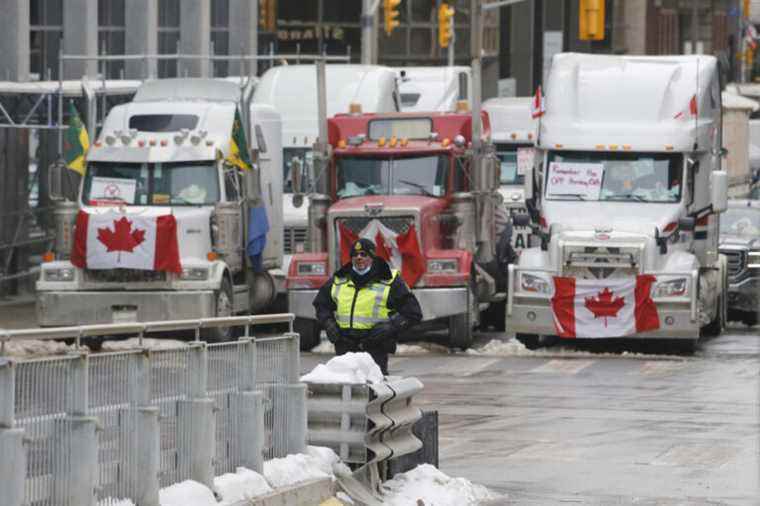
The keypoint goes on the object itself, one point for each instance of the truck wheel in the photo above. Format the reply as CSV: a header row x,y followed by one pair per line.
x,y
309,331
460,331
749,318
530,341
223,304
715,327
495,316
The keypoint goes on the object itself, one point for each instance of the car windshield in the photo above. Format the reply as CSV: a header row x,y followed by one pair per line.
x,y
507,155
146,184
635,177
292,157
743,221
419,175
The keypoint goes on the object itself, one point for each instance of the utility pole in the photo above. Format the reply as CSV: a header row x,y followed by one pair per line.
x,y
368,32
694,26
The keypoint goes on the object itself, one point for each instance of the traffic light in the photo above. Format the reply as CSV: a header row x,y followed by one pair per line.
x,y
591,20
445,25
268,15
390,9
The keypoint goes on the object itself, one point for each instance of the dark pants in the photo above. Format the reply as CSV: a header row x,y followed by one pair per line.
x,y
379,355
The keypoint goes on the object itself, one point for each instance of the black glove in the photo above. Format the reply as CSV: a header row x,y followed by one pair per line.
x,y
332,331
399,323
379,335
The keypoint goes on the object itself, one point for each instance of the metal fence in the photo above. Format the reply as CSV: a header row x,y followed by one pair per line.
x,y
82,427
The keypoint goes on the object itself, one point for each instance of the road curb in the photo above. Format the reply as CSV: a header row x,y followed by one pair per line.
x,y
308,493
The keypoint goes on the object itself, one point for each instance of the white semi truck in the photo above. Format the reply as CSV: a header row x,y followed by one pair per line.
x,y
428,89
513,133
292,91
626,190
157,174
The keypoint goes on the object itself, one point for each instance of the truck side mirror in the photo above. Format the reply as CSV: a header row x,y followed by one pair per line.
x,y
60,182
528,183
719,190
687,223
521,220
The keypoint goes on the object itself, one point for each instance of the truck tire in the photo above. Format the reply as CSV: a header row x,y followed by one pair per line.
x,y
460,331
309,330
530,341
495,316
715,327
749,318
223,307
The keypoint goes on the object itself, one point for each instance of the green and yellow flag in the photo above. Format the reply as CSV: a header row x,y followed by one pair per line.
x,y
239,155
76,142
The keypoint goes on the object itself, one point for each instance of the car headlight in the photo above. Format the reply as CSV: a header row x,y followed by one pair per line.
x,y
671,288
60,274
194,274
535,284
443,266
311,268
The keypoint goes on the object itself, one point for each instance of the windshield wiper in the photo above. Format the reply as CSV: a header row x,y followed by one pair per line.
x,y
577,196
627,196
419,186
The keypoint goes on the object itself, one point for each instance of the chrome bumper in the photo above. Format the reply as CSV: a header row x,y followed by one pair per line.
x,y
81,308
744,295
435,302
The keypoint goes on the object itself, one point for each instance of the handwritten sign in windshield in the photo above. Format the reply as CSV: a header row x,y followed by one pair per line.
x,y
582,180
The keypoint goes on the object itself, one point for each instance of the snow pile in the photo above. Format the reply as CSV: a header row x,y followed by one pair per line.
x,y
327,460
133,343
350,368
39,348
422,348
241,485
324,347
512,347
293,469
186,493
434,488
115,502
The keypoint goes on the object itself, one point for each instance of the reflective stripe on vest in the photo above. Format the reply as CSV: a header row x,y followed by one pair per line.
x,y
370,308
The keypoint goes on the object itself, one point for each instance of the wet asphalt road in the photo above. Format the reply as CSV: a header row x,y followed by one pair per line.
x,y
566,425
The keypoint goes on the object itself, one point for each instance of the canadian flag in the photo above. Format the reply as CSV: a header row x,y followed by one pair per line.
x,y
689,112
604,308
537,107
402,251
115,240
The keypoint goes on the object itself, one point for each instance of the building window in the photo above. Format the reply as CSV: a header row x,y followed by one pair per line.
x,y
111,36
168,36
45,32
220,36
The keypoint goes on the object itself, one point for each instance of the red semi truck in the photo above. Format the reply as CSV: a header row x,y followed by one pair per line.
x,y
414,184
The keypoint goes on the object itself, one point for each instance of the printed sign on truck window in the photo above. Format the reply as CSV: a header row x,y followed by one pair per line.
x,y
581,180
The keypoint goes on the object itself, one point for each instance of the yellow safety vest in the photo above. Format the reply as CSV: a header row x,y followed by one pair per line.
x,y
361,309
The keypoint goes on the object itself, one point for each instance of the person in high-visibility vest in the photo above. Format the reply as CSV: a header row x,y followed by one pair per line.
x,y
365,305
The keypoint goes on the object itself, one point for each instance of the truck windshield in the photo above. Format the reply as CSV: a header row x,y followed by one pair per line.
x,y
419,175
635,177
742,221
507,154
146,184
291,157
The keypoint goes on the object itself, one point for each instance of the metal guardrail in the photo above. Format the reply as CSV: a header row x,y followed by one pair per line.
x,y
365,423
79,427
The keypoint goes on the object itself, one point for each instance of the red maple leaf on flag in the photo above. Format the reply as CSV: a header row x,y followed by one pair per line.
x,y
122,238
604,305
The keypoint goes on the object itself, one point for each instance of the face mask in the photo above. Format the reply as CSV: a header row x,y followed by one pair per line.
x,y
362,273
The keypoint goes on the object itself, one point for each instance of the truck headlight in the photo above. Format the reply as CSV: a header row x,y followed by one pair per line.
x,y
671,288
753,260
194,274
59,274
311,268
535,284
443,266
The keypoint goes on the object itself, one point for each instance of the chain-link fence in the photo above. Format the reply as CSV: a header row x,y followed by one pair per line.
x,y
123,424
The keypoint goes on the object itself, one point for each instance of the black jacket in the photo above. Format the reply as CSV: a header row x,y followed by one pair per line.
x,y
400,299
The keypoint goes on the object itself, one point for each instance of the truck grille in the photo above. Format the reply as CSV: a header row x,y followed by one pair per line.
x,y
600,262
399,224
123,276
737,262
293,236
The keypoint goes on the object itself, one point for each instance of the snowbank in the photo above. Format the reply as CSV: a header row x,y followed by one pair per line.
x,y
186,493
293,469
434,488
115,502
241,485
349,368
39,348
133,343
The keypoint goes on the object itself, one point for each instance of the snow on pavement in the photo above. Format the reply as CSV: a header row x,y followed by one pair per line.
x,y
349,368
186,493
115,502
434,488
150,343
39,348
241,485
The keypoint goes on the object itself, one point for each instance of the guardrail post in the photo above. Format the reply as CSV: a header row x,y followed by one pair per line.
x,y
76,443
196,423
290,404
249,412
12,454
141,476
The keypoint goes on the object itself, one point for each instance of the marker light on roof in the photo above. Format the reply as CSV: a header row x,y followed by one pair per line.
x,y
459,140
381,142
181,136
141,143
446,142
342,144
393,141
404,142
354,108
